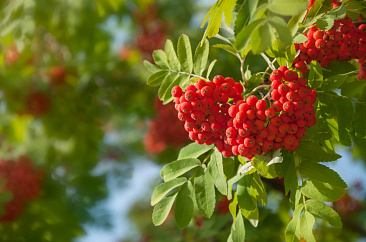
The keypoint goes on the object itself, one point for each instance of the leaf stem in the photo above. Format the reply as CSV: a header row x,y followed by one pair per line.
x,y
189,74
208,156
258,88
270,64
266,71
242,71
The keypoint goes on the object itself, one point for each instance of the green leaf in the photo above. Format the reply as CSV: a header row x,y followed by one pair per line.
x,y
243,38
251,215
151,67
178,168
215,167
321,173
205,192
293,232
327,21
288,7
229,166
306,226
227,48
210,67
193,150
171,55
315,75
293,24
320,210
317,132
291,53
257,190
322,191
233,205
164,92
353,89
245,200
319,8
341,67
215,14
245,14
164,188
162,209
184,205
263,164
290,178
185,53
200,58
157,78
237,233
360,120
161,59
345,117
283,31
334,82
312,151
261,38
279,52
300,38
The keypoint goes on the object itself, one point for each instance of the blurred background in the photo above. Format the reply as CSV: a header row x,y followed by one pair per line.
x,y
83,138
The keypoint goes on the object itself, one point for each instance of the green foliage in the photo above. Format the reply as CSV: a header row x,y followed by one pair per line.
x,y
177,70
237,229
216,169
320,210
193,150
162,209
287,7
221,7
312,151
293,232
178,168
204,192
184,204
164,188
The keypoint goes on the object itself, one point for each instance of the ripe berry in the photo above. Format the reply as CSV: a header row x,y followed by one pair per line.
x,y
252,100
177,91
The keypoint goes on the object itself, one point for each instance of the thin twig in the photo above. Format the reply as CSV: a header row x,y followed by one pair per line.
x,y
242,71
266,71
258,88
270,64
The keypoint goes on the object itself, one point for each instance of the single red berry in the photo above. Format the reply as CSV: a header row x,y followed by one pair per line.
x,y
177,91
270,112
252,100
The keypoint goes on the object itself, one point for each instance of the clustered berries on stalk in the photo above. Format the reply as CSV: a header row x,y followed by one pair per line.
x,y
204,109
164,130
249,127
343,42
21,180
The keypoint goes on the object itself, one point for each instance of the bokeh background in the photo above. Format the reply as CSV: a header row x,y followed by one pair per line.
x,y
83,138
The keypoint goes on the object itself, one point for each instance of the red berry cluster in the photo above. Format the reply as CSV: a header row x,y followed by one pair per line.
x,y
344,41
204,109
22,181
164,130
259,126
